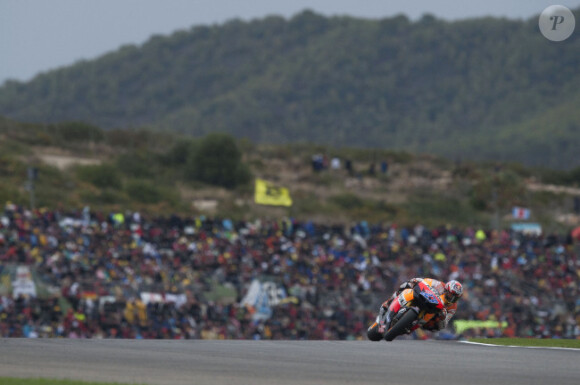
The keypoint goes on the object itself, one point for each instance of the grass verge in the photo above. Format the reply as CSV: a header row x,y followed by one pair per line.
x,y
551,342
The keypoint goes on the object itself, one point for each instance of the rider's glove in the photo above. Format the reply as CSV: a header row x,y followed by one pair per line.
x,y
407,285
404,285
415,281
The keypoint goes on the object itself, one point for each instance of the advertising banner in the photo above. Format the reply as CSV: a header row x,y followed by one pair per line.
x,y
23,284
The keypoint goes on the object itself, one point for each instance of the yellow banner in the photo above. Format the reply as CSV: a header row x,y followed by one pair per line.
x,y
268,194
462,325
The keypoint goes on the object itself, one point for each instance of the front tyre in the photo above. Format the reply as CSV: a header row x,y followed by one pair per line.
x,y
402,325
373,332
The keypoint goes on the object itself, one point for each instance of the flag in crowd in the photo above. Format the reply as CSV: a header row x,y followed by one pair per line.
x,y
520,213
266,193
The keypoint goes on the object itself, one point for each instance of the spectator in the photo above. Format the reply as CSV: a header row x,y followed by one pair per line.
x,y
349,167
150,277
384,167
335,163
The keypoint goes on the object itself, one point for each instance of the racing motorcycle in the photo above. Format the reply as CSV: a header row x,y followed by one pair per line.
x,y
411,309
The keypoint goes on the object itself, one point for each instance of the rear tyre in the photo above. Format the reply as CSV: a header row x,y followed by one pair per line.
x,y
373,333
400,327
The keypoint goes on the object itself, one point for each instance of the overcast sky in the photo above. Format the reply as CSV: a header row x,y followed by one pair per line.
x,y
40,35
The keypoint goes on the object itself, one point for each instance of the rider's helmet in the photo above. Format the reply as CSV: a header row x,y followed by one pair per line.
x,y
453,291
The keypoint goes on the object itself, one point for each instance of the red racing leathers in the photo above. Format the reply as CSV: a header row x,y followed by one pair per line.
x,y
438,322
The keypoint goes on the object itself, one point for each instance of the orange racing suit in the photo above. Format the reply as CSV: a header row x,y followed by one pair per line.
x,y
441,320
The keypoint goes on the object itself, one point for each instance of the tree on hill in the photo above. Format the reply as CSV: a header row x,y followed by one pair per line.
x,y
218,161
428,86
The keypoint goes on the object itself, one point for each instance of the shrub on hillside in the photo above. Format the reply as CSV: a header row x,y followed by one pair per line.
x,y
143,192
103,197
347,201
11,194
218,161
77,132
136,164
150,193
560,177
178,154
102,176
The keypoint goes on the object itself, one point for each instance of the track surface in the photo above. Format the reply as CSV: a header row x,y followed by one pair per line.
x,y
198,362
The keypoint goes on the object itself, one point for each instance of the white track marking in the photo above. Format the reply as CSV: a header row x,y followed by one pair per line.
x,y
516,346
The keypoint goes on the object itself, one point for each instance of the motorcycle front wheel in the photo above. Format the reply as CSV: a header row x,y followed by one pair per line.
x,y
402,325
373,333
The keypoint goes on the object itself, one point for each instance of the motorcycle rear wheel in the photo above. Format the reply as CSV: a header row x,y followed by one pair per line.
x,y
404,323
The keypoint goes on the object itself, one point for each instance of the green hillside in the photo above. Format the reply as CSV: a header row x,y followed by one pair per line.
x,y
474,89
162,173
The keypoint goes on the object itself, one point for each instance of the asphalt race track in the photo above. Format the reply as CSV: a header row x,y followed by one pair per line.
x,y
196,362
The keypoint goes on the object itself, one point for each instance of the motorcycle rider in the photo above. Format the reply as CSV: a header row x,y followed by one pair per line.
x,y
450,292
